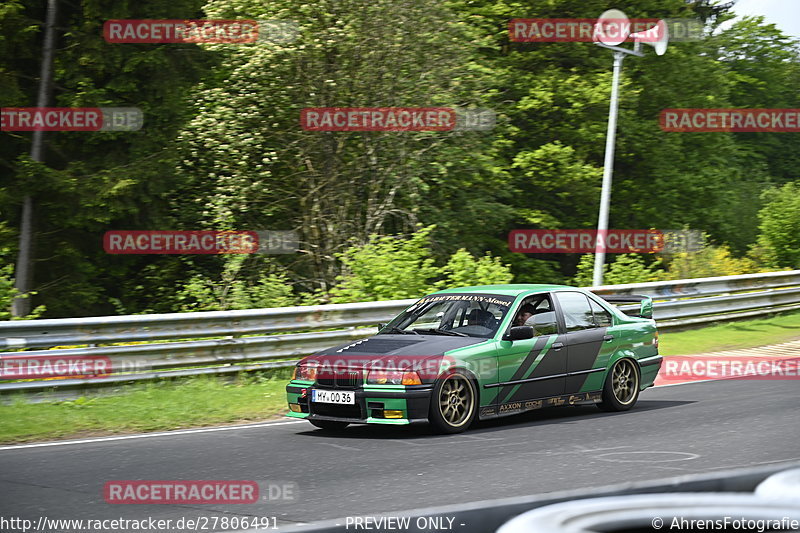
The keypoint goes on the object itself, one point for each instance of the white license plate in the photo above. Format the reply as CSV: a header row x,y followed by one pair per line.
x,y
333,396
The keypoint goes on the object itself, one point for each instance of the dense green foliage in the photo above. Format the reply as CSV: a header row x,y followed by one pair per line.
x,y
780,226
222,148
391,268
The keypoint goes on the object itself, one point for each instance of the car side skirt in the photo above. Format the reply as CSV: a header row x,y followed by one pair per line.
x,y
513,408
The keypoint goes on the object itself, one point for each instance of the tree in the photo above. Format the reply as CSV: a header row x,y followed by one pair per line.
x,y
395,267
386,268
779,226
94,181
555,96
234,291
247,163
222,148
626,268
463,269
709,262
763,67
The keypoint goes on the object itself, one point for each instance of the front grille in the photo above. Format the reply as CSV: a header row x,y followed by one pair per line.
x,y
332,409
340,379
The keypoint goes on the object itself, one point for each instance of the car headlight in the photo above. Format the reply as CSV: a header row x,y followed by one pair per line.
x,y
393,377
305,373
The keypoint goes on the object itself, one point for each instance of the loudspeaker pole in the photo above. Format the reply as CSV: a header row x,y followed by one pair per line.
x,y
608,172
613,18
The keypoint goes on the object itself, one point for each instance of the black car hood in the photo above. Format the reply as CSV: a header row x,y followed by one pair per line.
x,y
386,348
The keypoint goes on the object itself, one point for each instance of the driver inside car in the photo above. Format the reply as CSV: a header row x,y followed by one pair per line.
x,y
525,312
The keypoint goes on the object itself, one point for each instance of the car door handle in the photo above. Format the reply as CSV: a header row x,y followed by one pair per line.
x,y
557,346
608,338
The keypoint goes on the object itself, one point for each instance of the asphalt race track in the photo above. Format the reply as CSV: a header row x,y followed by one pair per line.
x,y
683,429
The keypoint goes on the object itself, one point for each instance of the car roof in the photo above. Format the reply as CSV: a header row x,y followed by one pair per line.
x,y
506,290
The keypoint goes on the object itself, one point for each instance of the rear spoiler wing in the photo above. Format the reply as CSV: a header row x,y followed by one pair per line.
x,y
645,303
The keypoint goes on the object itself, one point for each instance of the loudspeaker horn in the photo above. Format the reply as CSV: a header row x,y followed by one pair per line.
x,y
657,37
612,28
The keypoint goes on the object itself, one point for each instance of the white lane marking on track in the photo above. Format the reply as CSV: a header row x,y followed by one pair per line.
x,y
406,442
685,383
586,450
791,459
149,435
651,457
579,449
341,447
474,437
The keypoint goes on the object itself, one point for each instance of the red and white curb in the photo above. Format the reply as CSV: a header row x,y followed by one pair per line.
x,y
776,352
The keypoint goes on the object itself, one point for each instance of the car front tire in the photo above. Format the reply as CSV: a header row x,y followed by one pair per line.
x,y
454,403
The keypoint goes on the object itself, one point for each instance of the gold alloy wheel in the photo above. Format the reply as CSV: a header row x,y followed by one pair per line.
x,y
624,381
456,400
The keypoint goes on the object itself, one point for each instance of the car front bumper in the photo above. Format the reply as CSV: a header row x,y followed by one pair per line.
x,y
403,404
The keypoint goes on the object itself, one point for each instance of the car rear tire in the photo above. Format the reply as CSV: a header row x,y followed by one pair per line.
x,y
621,390
331,425
454,403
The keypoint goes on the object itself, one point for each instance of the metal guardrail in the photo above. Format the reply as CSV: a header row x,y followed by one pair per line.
x,y
290,332
704,286
691,302
110,329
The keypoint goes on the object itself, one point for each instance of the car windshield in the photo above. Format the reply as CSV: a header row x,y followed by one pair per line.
x,y
463,315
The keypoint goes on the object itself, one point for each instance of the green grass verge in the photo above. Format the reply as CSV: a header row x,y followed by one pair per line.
x,y
205,401
732,335
159,406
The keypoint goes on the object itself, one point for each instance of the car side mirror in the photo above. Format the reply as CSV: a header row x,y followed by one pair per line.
x,y
381,325
519,333
646,308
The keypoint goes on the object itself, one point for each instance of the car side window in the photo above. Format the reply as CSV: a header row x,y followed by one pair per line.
x,y
536,311
577,312
543,323
542,305
602,318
